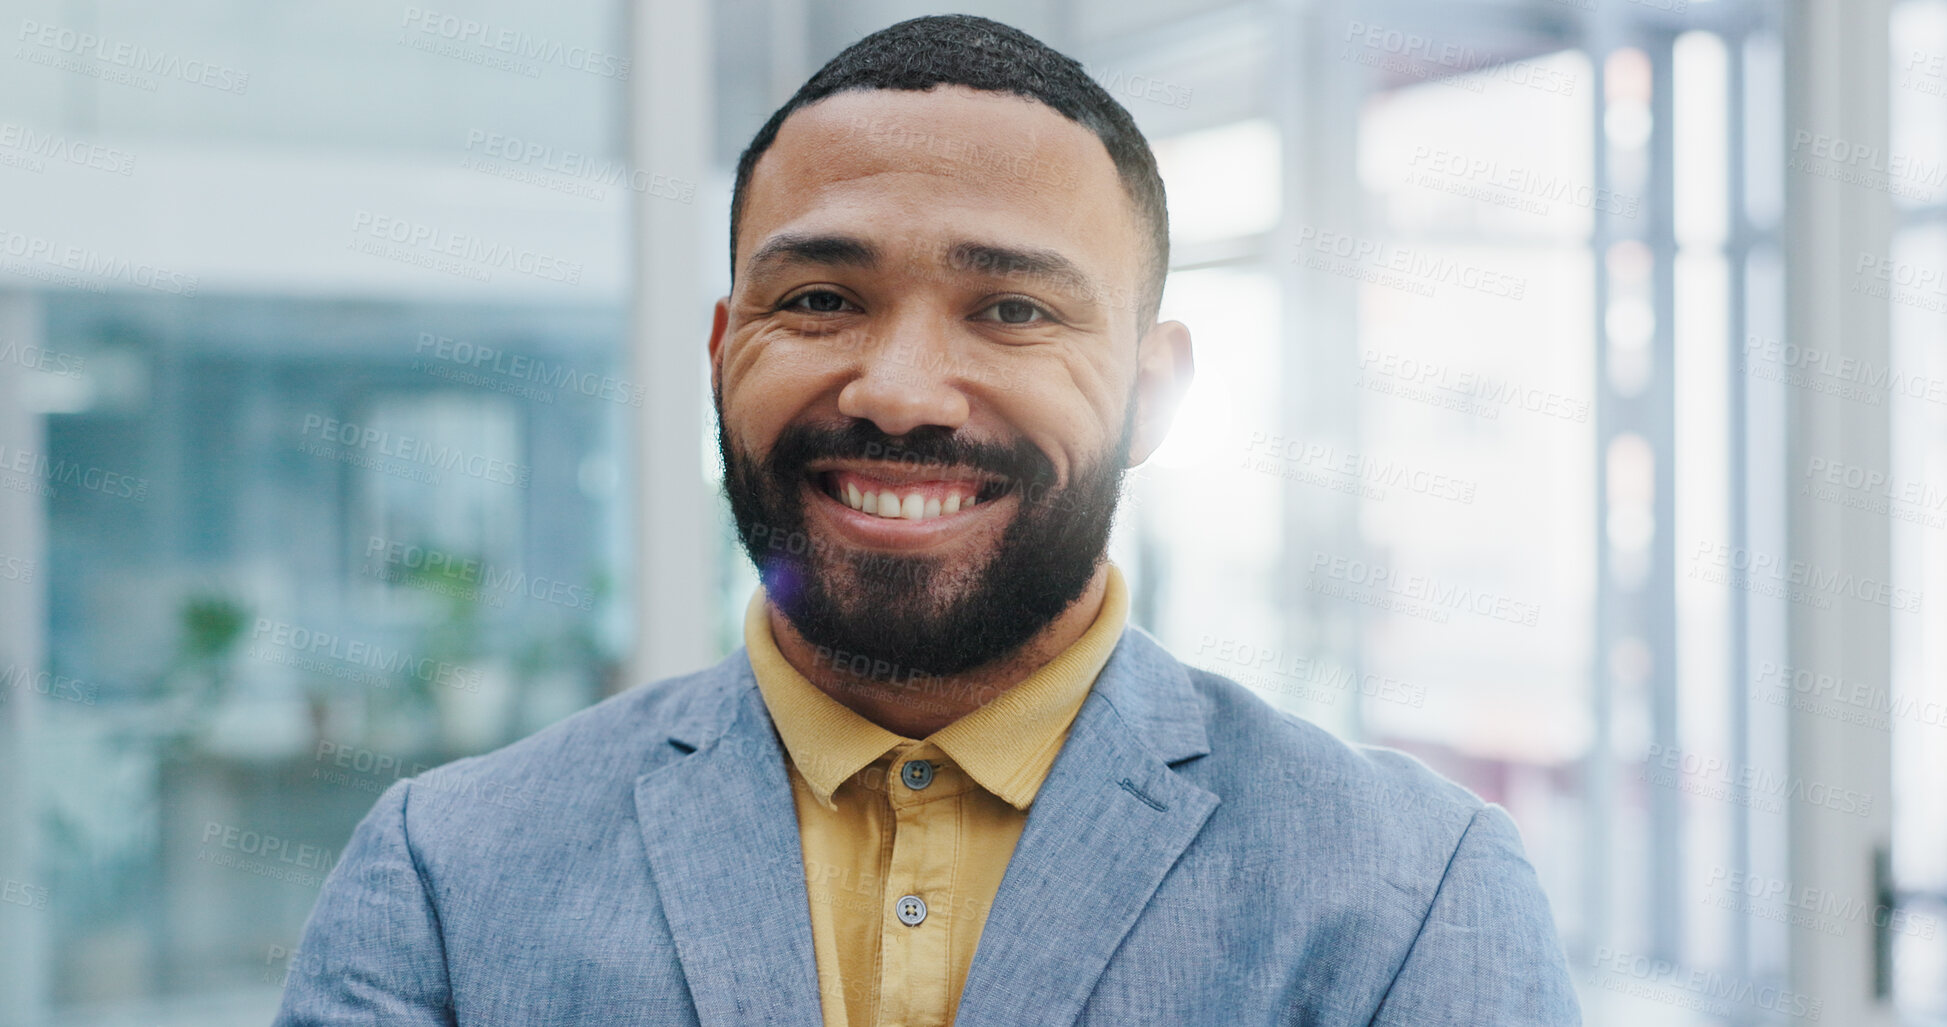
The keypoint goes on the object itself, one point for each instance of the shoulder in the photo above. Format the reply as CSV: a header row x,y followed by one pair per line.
x,y
1332,844
585,765
1266,764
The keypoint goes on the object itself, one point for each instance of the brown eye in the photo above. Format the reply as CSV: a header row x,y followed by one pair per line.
x,y
818,301
1016,312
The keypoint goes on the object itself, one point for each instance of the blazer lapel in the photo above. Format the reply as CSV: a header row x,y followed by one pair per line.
x,y
721,835
1107,825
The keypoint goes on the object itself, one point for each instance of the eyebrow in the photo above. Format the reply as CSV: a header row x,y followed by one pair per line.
x,y
829,250
988,259
1007,261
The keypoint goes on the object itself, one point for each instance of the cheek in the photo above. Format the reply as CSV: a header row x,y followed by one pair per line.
x,y
1064,422
765,388
754,421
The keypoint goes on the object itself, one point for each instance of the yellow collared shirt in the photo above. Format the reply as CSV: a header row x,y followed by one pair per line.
x,y
883,818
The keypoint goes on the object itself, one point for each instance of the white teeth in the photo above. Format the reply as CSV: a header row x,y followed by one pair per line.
x,y
915,506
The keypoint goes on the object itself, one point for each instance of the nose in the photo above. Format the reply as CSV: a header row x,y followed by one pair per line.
x,y
905,381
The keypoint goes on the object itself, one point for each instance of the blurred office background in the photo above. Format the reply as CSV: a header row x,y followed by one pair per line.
x,y
1571,411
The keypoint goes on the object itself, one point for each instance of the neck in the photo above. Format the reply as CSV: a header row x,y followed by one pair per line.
x,y
902,707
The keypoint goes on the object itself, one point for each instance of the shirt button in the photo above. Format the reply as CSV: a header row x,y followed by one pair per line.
x,y
916,774
912,910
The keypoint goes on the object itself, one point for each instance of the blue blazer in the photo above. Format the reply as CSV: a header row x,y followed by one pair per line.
x,y
1195,857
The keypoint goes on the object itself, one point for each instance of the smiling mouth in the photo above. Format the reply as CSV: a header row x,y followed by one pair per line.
x,y
891,498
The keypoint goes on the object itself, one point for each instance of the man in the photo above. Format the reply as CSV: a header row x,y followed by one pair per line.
x,y
943,781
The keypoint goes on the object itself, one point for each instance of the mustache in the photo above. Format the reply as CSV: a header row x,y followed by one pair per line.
x,y
932,445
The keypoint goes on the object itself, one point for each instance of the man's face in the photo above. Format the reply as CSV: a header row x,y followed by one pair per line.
x,y
934,307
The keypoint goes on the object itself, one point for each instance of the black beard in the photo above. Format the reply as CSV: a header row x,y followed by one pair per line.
x,y
904,612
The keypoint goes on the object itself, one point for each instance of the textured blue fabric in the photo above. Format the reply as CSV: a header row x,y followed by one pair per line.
x,y
1195,857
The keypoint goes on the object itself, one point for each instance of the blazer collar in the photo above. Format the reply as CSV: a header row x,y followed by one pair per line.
x,y
1148,687
1110,822
1151,691
721,836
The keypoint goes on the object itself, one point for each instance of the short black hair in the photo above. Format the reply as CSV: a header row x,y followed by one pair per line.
x,y
966,50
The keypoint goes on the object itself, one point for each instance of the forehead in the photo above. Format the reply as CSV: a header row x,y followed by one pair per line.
x,y
916,169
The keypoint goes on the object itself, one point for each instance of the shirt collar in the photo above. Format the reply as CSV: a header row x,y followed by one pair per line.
x,y
1007,746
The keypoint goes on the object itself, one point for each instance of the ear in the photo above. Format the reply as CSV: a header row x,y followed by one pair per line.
x,y
719,327
1164,369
